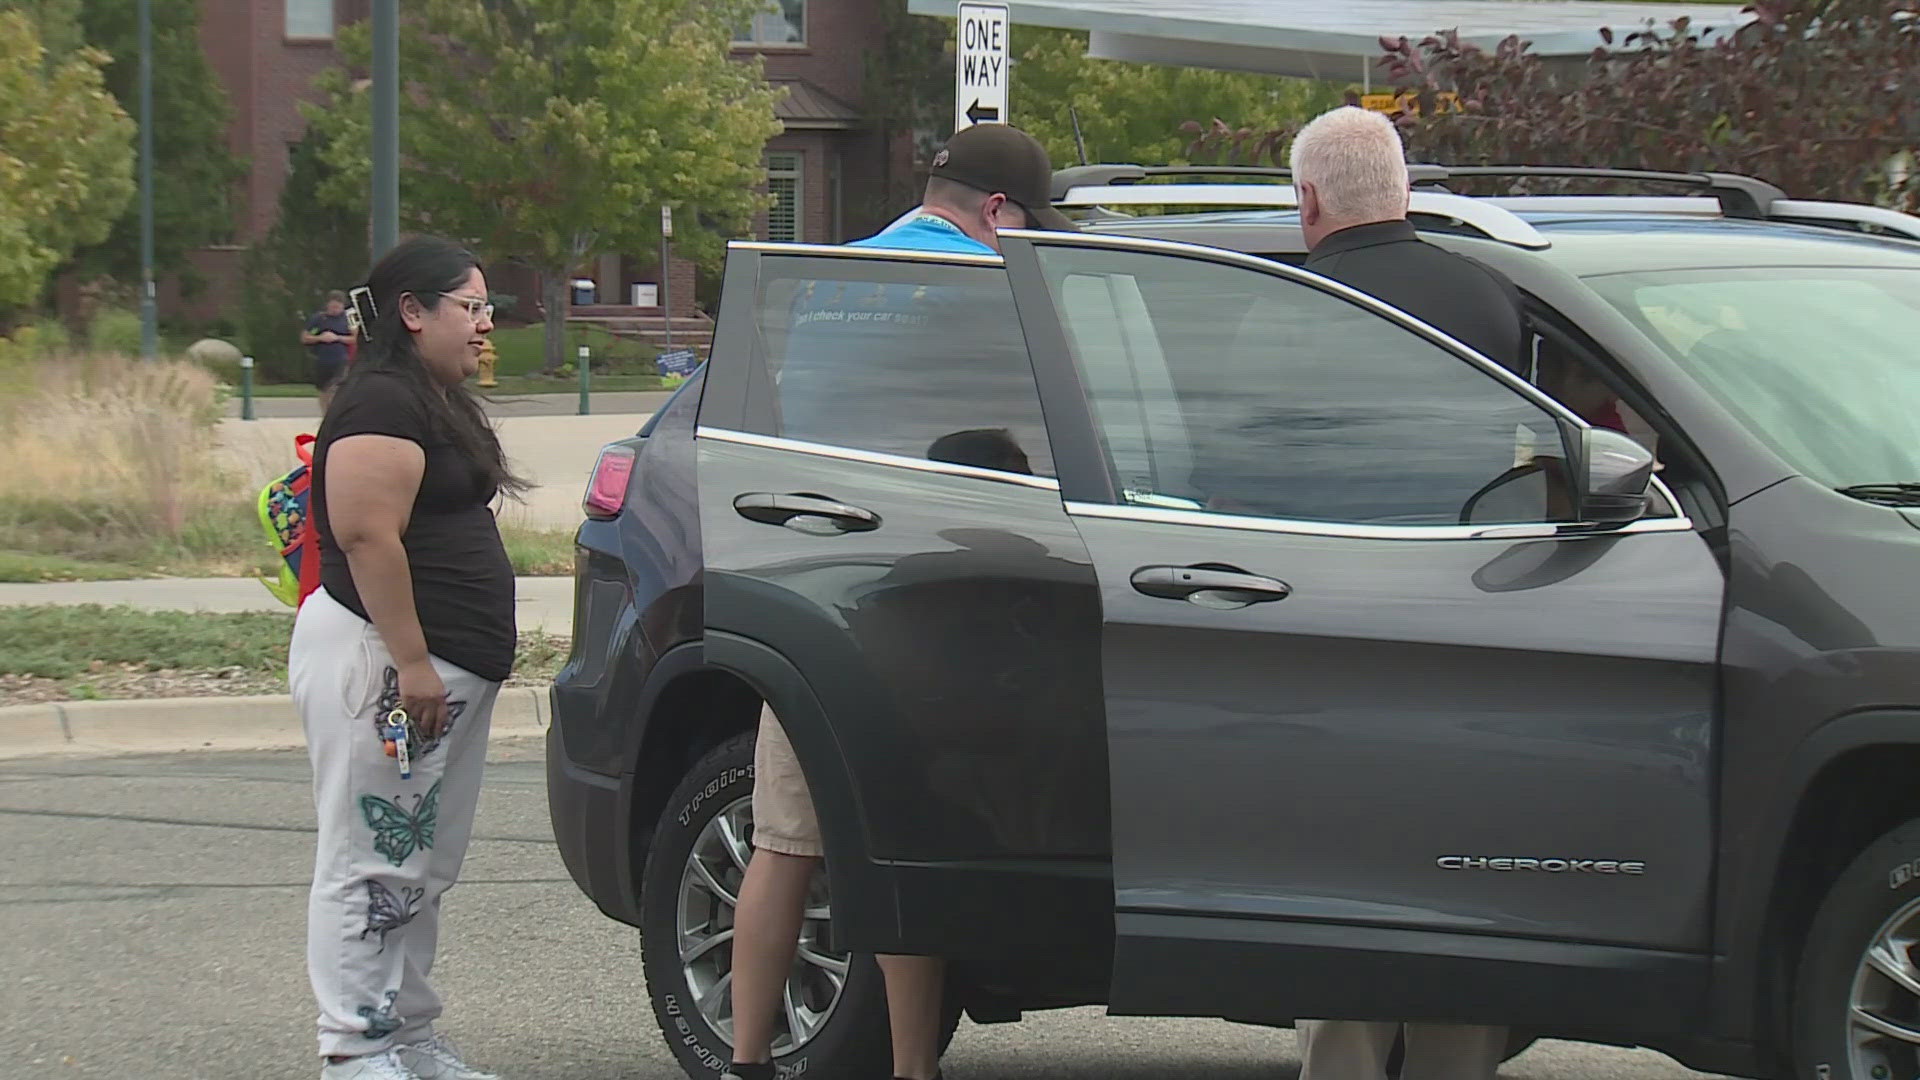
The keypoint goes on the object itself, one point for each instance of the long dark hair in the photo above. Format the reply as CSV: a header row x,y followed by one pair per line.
x,y
426,267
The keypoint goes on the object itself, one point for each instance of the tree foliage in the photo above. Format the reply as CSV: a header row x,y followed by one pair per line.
x,y
553,130
66,157
1133,112
312,248
1813,95
194,171
1127,112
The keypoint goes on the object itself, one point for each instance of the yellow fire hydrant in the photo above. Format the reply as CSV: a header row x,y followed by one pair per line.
x,y
487,359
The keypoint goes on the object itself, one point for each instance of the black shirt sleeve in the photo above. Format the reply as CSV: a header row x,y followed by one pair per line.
x,y
379,406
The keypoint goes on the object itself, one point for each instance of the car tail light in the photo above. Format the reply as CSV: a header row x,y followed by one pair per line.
x,y
607,491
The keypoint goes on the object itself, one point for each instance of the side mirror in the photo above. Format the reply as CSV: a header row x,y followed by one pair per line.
x,y
1617,478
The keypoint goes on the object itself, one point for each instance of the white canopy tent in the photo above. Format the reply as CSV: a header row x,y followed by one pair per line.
x,y
1337,41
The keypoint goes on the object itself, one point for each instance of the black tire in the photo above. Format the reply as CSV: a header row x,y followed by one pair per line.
x,y
1882,883
852,1042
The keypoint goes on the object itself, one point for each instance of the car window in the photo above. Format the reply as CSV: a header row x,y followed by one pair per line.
x,y
915,359
1226,389
1821,363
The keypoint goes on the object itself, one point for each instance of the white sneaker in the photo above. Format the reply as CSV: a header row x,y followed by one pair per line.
x,y
385,1065
435,1059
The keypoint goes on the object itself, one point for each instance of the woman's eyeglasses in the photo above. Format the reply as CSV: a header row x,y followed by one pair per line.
x,y
476,309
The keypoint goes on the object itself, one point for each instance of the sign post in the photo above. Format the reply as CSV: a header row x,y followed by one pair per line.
x,y
980,64
666,270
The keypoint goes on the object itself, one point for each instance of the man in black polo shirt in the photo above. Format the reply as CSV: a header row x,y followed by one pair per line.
x,y
1351,174
327,336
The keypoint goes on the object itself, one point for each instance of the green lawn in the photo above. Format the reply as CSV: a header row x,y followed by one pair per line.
x,y
92,651
19,566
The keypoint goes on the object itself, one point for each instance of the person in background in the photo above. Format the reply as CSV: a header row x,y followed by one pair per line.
x,y
988,177
407,639
328,337
1350,170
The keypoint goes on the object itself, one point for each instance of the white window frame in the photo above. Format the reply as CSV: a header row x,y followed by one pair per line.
x,y
303,16
766,29
795,172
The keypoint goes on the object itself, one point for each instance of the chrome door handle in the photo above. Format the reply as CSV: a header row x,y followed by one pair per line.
x,y
805,513
1209,586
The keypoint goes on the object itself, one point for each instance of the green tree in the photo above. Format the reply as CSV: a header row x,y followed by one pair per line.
x,y
194,171
312,248
56,21
552,130
1134,112
66,157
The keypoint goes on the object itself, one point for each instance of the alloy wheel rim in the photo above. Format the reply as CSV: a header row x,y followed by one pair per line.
x,y
709,898
1883,1011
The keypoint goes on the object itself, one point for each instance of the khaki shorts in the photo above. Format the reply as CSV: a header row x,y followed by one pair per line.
x,y
783,819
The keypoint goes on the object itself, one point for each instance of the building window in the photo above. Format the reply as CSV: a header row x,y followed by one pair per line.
x,y
783,183
783,23
310,19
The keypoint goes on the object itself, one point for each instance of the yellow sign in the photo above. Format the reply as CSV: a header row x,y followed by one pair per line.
x,y
1408,103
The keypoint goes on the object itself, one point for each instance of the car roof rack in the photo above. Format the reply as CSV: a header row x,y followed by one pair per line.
x,y
1734,195
1486,219
1739,196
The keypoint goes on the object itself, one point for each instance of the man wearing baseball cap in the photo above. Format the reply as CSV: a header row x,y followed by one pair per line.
x,y
988,177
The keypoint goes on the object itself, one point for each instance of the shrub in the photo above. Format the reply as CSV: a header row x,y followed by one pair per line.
x,y
35,341
1812,95
114,332
117,458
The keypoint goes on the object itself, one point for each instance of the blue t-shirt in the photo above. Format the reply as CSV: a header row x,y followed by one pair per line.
x,y
925,232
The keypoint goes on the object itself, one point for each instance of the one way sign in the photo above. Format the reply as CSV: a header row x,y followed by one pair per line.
x,y
980,66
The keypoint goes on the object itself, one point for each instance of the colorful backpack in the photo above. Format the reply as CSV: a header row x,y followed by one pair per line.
x,y
284,506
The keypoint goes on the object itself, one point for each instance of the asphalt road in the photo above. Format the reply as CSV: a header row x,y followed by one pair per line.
x,y
155,907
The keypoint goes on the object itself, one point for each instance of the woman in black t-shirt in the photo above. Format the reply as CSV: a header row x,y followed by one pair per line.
x,y
396,659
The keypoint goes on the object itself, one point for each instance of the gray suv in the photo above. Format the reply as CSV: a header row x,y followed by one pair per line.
x,y
1162,626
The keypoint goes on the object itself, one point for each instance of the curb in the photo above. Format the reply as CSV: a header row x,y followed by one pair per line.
x,y
171,725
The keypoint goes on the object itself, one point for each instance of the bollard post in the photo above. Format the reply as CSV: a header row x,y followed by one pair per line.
x,y
246,388
586,377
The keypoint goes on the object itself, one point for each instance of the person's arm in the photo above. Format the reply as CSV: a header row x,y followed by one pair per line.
x,y
308,337
371,483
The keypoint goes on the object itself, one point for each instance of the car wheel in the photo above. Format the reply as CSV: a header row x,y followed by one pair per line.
x,y
1856,1011
834,1015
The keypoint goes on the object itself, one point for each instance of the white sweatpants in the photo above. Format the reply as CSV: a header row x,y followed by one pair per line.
x,y
1358,1050
387,848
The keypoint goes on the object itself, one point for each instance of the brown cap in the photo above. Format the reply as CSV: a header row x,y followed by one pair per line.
x,y
998,158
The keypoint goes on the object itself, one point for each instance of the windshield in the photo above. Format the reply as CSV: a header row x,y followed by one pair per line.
x,y
1822,363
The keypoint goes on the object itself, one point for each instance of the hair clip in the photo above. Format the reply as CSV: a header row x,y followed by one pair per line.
x,y
362,318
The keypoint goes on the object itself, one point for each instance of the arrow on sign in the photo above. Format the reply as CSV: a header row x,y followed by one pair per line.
x,y
978,113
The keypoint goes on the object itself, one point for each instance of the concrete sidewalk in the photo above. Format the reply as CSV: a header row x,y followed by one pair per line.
x,y
555,453
543,603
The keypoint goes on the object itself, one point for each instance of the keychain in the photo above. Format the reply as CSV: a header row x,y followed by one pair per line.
x,y
395,736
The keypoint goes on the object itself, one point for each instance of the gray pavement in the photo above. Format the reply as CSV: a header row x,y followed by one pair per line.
x,y
558,404
543,603
155,908
555,452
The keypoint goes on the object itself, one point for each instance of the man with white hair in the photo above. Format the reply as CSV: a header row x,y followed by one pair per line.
x,y
1351,174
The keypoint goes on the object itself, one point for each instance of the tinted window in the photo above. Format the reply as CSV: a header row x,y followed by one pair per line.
x,y
915,359
1226,389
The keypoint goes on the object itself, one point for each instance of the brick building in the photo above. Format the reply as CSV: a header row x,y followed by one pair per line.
x,y
827,170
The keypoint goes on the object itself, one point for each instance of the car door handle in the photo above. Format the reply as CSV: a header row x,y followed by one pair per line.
x,y
1209,586
805,513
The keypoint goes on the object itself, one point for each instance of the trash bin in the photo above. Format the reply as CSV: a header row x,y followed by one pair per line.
x,y
584,291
